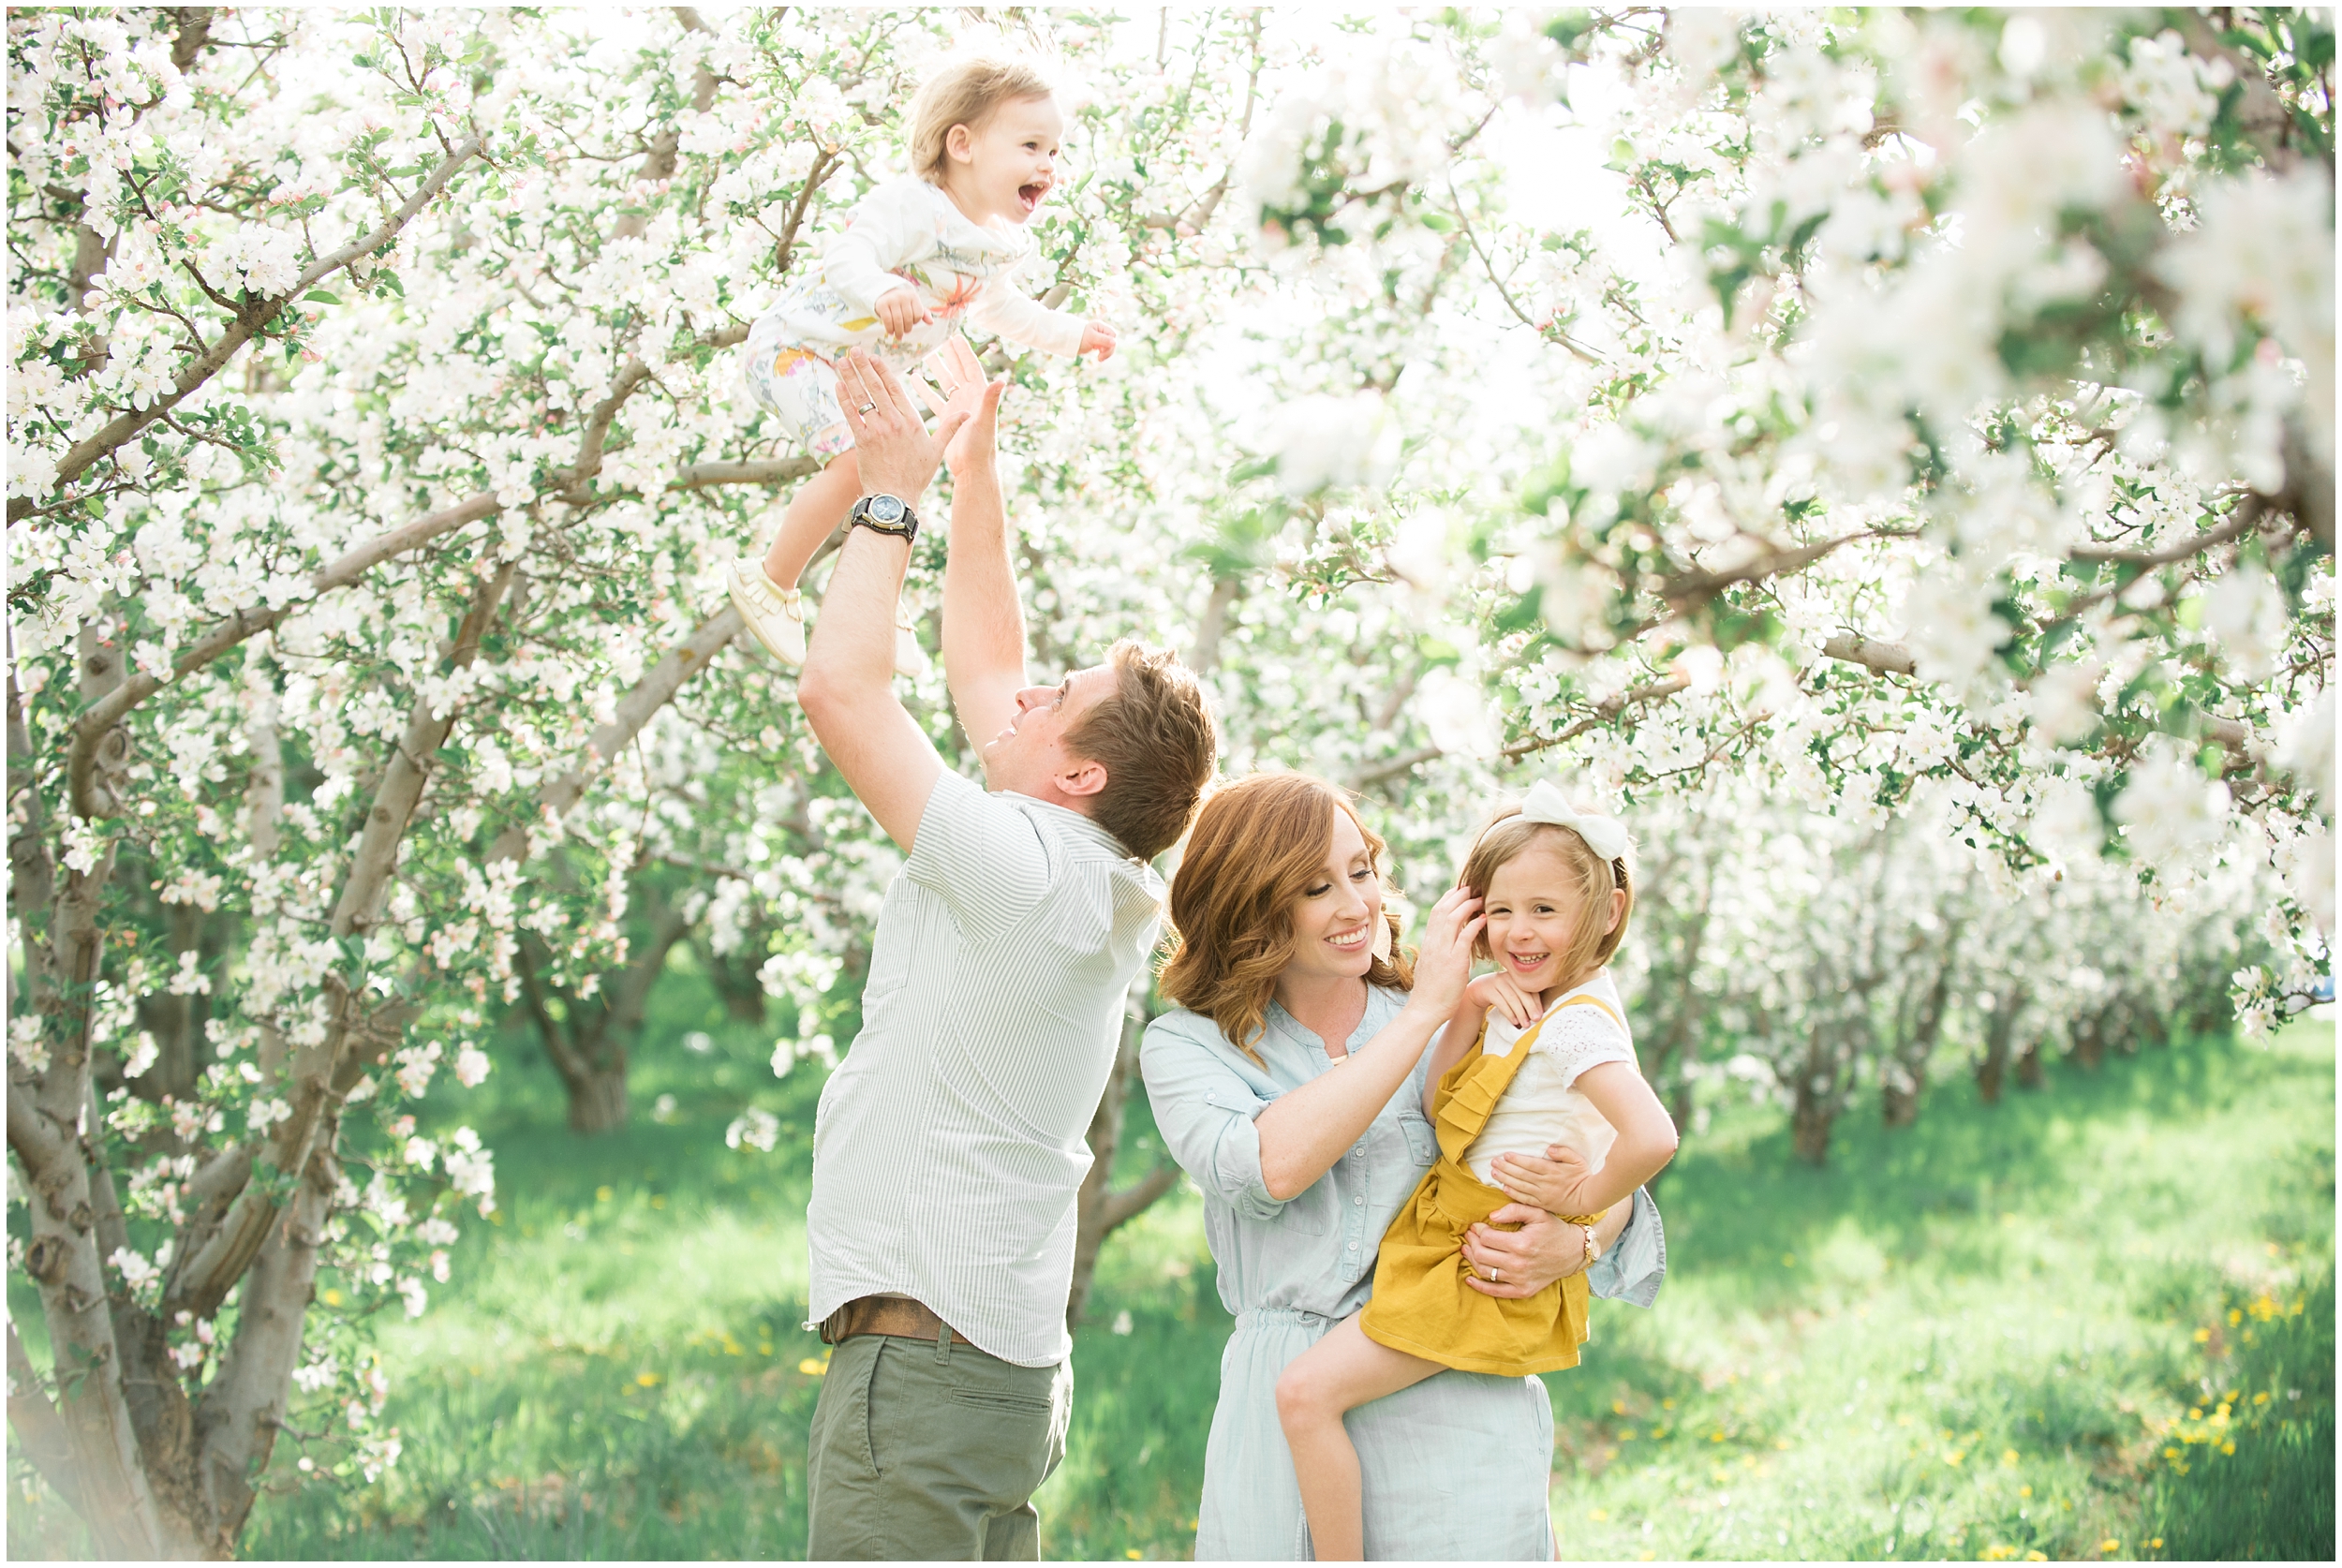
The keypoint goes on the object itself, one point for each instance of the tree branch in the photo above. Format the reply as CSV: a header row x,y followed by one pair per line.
x,y
775,470
250,321
39,1428
1887,659
656,688
90,730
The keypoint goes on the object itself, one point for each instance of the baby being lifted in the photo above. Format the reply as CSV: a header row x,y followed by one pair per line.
x,y
1536,1054
919,255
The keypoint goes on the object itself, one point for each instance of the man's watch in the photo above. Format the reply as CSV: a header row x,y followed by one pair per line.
x,y
886,514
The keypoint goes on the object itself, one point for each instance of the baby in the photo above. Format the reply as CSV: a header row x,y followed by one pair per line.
x,y
918,254
1536,1054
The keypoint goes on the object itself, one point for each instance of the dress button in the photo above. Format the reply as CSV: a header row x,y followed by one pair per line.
x,y
1359,1199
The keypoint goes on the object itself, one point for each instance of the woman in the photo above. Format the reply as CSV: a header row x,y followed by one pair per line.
x,y
1290,1087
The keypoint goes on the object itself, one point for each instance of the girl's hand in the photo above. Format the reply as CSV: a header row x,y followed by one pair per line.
x,y
899,310
1097,338
1553,1184
1502,997
1444,963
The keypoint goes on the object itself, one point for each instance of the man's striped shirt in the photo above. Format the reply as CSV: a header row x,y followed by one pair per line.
x,y
949,1145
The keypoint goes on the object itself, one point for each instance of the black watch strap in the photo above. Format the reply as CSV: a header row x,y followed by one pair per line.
x,y
866,513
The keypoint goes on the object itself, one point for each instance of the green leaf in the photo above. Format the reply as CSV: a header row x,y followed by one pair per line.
x,y
318,296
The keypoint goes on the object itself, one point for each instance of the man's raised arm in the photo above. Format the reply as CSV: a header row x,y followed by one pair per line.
x,y
984,625
846,687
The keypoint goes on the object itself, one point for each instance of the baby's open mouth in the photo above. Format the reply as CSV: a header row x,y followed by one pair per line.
x,y
1031,195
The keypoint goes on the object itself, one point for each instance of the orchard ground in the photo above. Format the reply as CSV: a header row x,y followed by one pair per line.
x,y
2094,1322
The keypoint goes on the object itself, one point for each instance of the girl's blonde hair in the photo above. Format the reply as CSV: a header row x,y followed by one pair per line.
x,y
1505,838
966,92
1257,846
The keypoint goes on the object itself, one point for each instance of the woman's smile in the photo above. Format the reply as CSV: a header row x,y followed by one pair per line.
x,y
1350,941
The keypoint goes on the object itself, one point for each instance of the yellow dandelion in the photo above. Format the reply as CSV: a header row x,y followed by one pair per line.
x,y
2008,1456
2155,1545
2035,1556
332,1298
1134,1554
2202,1336
1598,1515
2261,1397
2228,1447
813,1366
2110,1545
646,1380
604,1195
2024,1492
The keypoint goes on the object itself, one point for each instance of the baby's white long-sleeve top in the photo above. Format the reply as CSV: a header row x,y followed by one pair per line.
x,y
906,233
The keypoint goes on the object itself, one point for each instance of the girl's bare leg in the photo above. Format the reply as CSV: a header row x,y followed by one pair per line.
x,y
1336,1375
818,506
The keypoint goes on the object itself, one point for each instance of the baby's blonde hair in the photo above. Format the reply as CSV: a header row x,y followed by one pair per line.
x,y
966,91
1506,837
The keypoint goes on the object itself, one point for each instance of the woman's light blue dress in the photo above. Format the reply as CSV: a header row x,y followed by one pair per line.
x,y
1455,1468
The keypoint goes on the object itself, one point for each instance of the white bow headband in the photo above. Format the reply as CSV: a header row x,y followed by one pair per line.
x,y
1606,835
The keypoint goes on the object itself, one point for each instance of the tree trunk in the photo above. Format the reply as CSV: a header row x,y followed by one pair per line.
x,y
1992,1069
2029,1066
597,1095
1899,1100
2089,1038
1818,1096
1100,1210
734,976
1809,1127
588,1042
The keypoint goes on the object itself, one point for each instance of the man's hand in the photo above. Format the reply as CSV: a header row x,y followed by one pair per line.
x,y
961,389
897,453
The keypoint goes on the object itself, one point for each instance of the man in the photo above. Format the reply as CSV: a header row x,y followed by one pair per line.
x,y
948,1149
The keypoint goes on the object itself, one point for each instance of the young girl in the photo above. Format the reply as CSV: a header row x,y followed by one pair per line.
x,y
1536,1054
918,254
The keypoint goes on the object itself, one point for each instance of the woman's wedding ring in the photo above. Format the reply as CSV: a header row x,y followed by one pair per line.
x,y
866,407
1496,1276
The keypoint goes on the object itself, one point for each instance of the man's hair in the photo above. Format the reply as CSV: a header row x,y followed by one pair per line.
x,y
1154,738
1260,843
966,91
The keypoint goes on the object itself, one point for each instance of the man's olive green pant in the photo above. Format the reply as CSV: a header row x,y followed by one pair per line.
x,y
927,1452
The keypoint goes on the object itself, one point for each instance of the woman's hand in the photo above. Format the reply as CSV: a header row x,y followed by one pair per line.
x,y
898,310
1444,962
1514,1265
1554,1185
1502,995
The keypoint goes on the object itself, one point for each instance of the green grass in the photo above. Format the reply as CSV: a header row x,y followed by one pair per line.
x,y
1982,1335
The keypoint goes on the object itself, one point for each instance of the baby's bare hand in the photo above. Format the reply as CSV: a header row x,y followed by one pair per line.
x,y
1099,339
900,311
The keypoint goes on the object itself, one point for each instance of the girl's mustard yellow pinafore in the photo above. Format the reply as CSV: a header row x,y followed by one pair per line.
x,y
1421,1303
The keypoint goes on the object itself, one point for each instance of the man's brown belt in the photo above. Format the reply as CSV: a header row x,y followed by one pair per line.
x,y
886,1314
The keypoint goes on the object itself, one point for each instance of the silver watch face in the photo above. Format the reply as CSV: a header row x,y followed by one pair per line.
x,y
886,509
